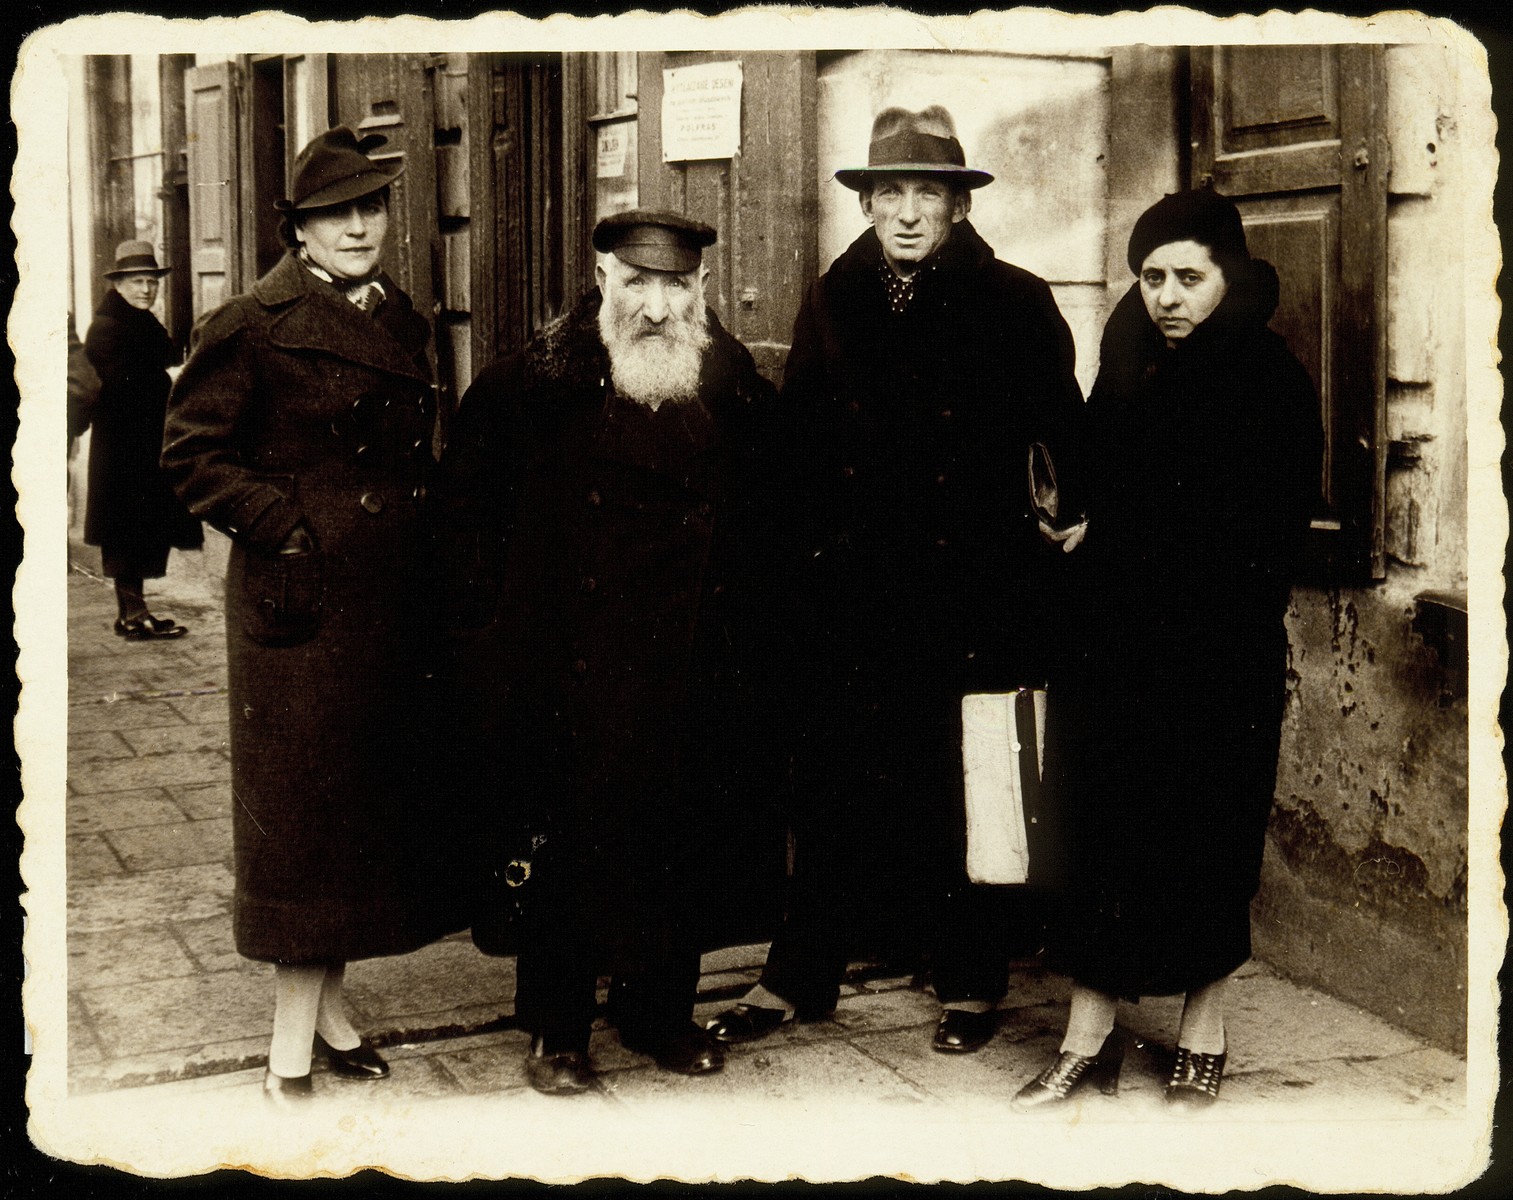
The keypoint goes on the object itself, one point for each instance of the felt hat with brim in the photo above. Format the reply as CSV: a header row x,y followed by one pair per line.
x,y
915,143
136,258
654,241
335,169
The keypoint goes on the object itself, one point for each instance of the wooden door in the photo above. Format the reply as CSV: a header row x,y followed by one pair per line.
x,y
210,113
1293,134
764,202
392,95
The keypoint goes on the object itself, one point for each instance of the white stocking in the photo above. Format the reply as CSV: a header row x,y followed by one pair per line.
x,y
1090,1021
333,1022
296,997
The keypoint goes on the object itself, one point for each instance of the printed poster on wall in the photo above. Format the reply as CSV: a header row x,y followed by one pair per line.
x,y
701,111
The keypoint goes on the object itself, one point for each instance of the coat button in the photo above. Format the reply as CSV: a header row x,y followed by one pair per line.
x,y
848,472
372,501
595,499
945,414
940,479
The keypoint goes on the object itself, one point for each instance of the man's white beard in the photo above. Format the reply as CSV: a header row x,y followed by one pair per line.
x,y
653,369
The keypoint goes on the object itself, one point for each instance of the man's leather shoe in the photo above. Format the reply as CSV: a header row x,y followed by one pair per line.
x,y
687,1051
360,1062
288,1093
961,1032
559,1074
744,1023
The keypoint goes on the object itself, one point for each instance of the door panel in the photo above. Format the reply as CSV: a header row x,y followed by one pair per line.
x,y
392,95
1291,133
210,119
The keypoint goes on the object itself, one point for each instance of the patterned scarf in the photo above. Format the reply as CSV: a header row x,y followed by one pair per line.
x,y
901,290
367,295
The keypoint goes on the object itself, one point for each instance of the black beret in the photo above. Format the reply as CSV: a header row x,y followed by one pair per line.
x,y
1201,216
656,241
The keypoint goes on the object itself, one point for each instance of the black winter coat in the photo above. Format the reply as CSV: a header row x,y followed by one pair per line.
x,y
132,512
1203,464
614,564
296,408
920,573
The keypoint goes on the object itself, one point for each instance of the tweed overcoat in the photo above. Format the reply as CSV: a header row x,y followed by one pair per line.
x,y
613,683
298,409
921,574
1203,463
132,512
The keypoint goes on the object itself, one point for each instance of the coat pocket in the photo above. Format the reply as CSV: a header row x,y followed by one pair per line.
x,y
282,598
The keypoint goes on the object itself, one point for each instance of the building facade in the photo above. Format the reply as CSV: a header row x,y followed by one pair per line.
x,y
1346,164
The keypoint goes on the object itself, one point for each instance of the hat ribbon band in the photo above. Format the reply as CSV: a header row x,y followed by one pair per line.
x,y
911,146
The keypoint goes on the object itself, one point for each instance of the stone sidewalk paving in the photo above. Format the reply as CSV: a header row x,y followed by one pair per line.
x,y
159,999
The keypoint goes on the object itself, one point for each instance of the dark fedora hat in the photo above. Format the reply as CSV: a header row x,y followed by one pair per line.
x,y
920,143
655,241
335,169
136,258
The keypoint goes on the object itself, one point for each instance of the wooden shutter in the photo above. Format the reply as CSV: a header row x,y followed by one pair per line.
x,y
391,95
767,252
214,217
1292,134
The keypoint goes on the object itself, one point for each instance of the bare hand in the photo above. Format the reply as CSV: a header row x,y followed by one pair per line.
x,y
1069,538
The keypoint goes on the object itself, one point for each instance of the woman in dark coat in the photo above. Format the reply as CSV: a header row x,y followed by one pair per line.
x,y
132,513
302,427
1203,460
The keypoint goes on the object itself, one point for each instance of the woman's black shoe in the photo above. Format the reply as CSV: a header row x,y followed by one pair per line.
x,y
558,1074
147,627
1070,1071
286,1092
744,1023
360,1062
961,1032
1195,1079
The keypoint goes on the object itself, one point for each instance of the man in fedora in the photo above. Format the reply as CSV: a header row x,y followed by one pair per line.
x,y
605,512
922,369
132,513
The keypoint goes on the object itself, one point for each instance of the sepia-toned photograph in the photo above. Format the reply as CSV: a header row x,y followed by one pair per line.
x,y
666,597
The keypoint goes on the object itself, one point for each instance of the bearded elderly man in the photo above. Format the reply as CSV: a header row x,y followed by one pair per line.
x,y
922,371
611,472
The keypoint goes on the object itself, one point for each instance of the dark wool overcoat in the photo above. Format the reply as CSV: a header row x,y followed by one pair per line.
x,y
132,513
615,561
921,575
298,409
1203,464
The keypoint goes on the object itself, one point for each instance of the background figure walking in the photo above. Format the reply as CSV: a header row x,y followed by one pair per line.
x,y
132,513
1201,463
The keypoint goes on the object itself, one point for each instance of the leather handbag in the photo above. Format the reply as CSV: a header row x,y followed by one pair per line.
x,y
1003,742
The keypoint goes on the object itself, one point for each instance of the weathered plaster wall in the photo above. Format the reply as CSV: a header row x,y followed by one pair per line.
x,y
1364,889
1038,124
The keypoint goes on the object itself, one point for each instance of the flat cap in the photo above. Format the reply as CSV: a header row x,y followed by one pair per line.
x,y
655,241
